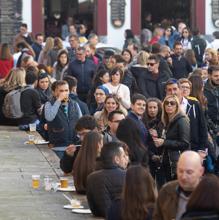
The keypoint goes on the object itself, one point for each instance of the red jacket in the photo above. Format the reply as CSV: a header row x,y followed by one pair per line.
x,y
5,67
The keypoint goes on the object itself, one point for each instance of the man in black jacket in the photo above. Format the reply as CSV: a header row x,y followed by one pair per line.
x,y
83,70
106,185
198,128
151,84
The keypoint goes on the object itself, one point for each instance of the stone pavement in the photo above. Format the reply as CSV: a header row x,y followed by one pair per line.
x,y
18,201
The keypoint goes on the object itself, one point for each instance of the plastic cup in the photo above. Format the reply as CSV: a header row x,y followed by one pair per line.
x,y
64,182
47,183
35,181
32,127
31,139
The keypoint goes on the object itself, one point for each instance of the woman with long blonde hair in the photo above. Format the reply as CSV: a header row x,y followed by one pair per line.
x,y
177,135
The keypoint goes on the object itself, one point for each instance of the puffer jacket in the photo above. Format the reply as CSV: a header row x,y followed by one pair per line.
x,y
201,215
103,187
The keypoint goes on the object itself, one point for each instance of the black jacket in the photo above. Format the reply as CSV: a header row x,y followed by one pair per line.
x,y
103,187
150,86
201,215
212,94
198,127
180,67
177,139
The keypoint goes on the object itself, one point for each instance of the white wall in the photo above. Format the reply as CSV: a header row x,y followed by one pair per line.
x,y
115,36
27,13
209,26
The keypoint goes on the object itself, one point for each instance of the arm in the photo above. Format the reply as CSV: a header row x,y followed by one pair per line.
x,y
51,110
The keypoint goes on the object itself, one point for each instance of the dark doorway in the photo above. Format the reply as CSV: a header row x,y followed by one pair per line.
x,y
172,10
56,13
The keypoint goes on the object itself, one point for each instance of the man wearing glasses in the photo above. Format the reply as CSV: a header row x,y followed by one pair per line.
x,y
151,83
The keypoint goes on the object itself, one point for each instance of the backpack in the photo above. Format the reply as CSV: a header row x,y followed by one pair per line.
x,y
12,107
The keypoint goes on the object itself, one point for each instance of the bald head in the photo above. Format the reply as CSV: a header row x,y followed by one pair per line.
x,y
189,170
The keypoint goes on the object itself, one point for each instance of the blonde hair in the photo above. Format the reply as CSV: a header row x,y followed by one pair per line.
x,y
164,117
214,60
49,44
15,79
142,58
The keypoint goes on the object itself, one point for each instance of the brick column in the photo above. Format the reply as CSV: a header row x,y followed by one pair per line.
x,y
136,16
37,16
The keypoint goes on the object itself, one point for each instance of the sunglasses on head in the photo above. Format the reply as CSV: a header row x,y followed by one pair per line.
x,y
172,103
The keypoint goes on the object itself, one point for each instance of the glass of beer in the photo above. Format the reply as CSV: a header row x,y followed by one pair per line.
x,y
31,139
35,181
64,182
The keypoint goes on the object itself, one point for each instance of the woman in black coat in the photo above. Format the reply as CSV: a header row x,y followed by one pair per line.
x,y
177,136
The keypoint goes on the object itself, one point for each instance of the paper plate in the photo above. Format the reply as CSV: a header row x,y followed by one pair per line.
x,y
68,189
82,211
69,206
41,142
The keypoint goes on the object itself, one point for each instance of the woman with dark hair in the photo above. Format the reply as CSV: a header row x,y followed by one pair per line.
x,y
129,133
186,39
86,160
138,197
177,135
152,121
167,38
127,56
203,202
129,38
116,87
6,60
60,67
43,87
190,56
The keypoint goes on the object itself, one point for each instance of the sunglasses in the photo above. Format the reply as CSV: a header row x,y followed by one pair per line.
x,y
172,103
151,64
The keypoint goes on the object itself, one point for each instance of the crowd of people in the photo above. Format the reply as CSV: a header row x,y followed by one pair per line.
x,y
136,130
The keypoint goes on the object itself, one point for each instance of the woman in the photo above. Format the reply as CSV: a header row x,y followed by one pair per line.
x,y
100,78
177,137
129,133
190,56
43,88
186,39
167,38
127,56
111,103
129,38
14,80
121,90
6,60
203,202
43,57
86,160
210,57
152,121
138,197
100,95
53,53
60,67
90,53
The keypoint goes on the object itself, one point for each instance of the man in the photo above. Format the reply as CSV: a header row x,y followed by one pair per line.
x,y
198,45
61,114
137,110
114,118
211,91
72,82
93,39
106,63
83,70
74,44
106,185
151,84
83,126
180,66
30,100
173,197
193,110
23,35
38,45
